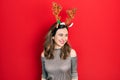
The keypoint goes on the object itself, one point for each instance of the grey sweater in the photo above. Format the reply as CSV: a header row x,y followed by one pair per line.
x,y
59,69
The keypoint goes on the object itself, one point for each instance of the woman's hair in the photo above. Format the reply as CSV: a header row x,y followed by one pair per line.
x,y
49,44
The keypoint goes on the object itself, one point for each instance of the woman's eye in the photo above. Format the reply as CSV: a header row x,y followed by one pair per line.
x,y
66,35
60,34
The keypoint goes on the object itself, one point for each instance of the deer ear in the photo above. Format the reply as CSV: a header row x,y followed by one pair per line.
x,y
70,25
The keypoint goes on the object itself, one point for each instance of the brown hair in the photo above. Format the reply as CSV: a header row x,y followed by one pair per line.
x,y
50,44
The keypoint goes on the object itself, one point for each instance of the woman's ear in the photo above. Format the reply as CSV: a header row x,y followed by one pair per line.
x,y
53,38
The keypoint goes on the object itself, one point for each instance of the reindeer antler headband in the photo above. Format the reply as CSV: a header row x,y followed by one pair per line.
x,y
56,11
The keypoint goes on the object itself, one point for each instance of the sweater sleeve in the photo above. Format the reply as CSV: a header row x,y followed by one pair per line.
x,y
74,73
44,73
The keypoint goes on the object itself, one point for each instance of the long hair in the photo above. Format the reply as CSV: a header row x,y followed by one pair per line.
x,y
49,44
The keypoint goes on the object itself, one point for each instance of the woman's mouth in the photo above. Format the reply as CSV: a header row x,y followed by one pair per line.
x,y
62,42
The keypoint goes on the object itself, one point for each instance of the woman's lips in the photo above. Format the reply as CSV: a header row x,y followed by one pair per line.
x,y
62,42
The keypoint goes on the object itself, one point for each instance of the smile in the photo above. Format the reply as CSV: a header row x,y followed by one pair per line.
x,y
62,42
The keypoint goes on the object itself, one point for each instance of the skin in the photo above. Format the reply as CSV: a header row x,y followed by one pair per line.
x,y
60,38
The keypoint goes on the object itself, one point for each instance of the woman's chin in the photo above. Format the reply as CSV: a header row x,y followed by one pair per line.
x,y
61,45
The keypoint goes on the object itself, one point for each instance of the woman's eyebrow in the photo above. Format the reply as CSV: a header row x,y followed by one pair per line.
x,y
63,33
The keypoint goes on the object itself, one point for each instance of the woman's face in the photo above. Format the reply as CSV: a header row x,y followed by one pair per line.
x,y
60,37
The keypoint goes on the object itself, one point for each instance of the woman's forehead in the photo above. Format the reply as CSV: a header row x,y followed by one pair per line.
x,y
62,30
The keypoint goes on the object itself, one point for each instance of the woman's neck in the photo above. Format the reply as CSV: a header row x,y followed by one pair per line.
x,y
57,47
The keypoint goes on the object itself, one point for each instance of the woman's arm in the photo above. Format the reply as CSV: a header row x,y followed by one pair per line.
x,y
74,65
44,73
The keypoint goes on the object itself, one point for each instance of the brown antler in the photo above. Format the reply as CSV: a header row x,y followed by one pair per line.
x,y
70,13
56,10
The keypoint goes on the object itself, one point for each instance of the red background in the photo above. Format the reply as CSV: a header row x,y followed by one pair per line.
x,y
95,36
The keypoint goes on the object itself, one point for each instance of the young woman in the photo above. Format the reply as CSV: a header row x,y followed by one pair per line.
x,y
59,60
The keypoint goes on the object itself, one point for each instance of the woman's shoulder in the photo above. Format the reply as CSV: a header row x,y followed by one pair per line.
x,y
42,54
73,53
